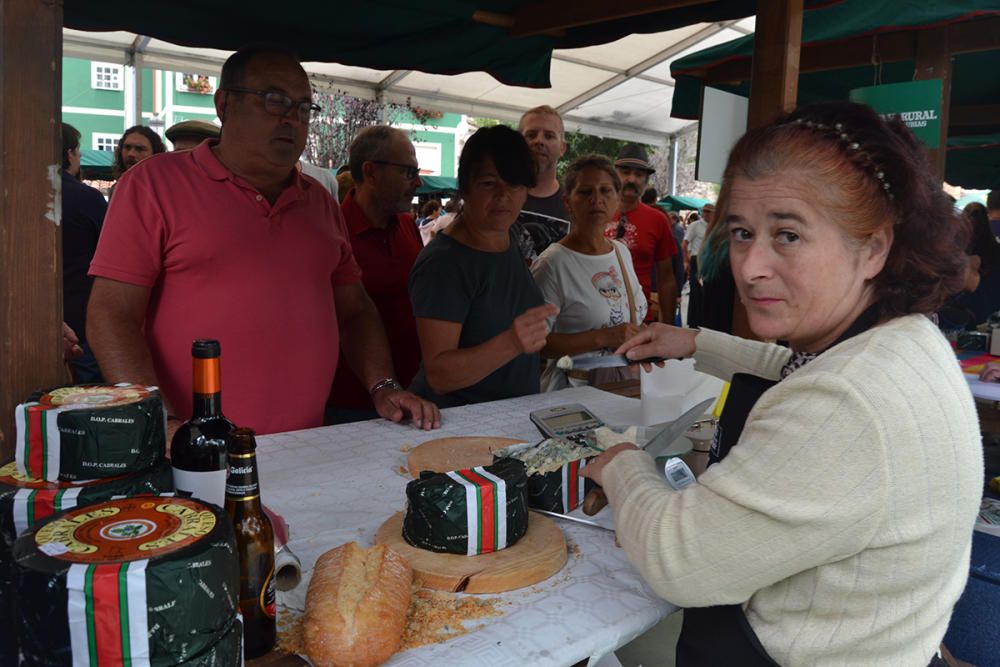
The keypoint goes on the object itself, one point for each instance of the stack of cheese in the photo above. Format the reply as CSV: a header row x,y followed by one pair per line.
x,y
145,580
75,446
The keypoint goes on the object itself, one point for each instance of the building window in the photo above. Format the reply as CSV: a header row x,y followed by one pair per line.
x,y
105,142
202,84
106,76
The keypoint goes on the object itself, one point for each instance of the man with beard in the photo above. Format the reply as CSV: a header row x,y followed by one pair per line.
x,y
137,143
385,242
646,231
543,218
229,241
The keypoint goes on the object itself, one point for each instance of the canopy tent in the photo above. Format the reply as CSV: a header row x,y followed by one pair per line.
x,y
433,184
836,35
96,165
606,77
679,203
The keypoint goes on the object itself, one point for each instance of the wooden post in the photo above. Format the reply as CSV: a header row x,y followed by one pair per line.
x,y
933,61
774,83
30,191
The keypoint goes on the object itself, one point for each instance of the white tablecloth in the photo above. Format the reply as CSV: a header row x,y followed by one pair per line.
x,y
339,483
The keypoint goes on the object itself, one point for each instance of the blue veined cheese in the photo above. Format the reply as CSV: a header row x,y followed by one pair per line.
x,y
548,455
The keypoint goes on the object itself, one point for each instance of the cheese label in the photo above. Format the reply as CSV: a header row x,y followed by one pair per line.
x,y
486,509
106,606
126,530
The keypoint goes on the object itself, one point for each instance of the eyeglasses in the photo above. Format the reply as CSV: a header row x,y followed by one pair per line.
x,y
279,104
620,229
408,170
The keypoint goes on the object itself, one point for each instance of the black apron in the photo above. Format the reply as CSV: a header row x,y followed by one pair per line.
x,y
721,635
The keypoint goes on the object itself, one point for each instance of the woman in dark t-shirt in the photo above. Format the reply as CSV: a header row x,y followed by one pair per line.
x,y
480,317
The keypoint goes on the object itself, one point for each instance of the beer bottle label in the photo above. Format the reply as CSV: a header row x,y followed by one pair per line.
x,y
267,595
241,481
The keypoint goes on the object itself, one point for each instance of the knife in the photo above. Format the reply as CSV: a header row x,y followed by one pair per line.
x,y
591,361
573,519
595,500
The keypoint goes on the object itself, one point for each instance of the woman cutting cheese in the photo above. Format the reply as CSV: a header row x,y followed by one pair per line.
x,y
480,316
836,526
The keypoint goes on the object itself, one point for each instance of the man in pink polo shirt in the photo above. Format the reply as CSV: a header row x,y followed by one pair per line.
x,y
229,241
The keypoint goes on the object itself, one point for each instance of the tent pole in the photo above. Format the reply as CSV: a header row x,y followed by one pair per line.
x,y
934,61
674,146
774,83
30,236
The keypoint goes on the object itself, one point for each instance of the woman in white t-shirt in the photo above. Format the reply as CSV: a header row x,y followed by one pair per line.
x,y
589,277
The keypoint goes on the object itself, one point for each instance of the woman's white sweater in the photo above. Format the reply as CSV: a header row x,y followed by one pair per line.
x,y
842,520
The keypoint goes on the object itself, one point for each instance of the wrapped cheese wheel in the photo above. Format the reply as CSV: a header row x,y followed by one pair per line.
x,y
90,431
25,501
144,580
553,467
471,512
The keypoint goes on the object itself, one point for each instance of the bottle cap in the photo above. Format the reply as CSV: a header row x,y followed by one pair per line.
x,y
206,349
241,439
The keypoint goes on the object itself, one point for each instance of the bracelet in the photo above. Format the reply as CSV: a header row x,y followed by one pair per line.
x,y
384,383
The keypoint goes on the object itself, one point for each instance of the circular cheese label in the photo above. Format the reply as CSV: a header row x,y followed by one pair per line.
x,y
94,396
10,476
125,530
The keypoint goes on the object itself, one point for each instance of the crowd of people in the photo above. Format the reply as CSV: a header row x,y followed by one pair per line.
x,y
334,304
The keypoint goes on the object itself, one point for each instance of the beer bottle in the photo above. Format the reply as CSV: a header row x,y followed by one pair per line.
x,y
254,544
198,449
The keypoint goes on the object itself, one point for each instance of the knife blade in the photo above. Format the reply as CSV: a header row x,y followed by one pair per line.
x,y
572,519
591,361
662,440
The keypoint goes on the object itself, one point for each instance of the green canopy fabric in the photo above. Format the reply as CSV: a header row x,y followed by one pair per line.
x,y
972,161
438,37
679,203
96,165
431,184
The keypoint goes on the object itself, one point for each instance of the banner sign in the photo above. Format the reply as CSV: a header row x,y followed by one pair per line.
x,y
917,103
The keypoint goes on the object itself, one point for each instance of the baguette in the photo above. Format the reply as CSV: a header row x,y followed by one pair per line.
x,y
356,606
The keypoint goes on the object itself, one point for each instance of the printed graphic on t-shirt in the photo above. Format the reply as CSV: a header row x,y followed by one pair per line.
x,y
536,231
609,285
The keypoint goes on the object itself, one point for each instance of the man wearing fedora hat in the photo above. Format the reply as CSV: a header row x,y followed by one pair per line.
x,y
645,230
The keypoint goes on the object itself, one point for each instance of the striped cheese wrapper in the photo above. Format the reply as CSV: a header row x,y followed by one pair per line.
x,y
135,581
25,501
560,490
89,432
470,512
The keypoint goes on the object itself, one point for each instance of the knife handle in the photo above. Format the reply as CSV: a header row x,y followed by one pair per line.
x,y
594,501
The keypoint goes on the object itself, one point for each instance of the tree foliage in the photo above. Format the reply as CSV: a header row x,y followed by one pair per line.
x,y
343,116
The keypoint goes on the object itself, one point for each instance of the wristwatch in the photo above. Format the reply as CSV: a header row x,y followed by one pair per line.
x,y
384,383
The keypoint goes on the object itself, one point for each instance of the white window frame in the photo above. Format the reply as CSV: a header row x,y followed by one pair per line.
x,y
113,79
98,138
181,87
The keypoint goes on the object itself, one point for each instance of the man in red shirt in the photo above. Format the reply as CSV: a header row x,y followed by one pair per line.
x,y
229,241
386,242
646,231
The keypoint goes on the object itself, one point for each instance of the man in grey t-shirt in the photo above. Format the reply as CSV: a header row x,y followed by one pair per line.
x,y
543,219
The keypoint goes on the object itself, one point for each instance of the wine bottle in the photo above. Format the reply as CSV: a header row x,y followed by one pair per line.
x,y
254,544
198,449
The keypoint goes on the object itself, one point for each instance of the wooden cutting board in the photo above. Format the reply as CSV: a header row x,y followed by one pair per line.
x,y
447,454
535,557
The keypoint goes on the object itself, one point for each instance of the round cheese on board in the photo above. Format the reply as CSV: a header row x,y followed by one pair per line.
x,y
90,432
25,501
144,580
471,511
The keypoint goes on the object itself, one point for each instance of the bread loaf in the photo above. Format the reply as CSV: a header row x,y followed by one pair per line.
x,y
356,606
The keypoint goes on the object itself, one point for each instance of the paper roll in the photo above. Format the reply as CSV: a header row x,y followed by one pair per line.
x,y
287,569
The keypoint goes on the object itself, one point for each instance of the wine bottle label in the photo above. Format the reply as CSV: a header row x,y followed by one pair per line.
x,y
209,486
267,595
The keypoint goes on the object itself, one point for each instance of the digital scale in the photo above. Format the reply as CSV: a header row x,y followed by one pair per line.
x,y
572,422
